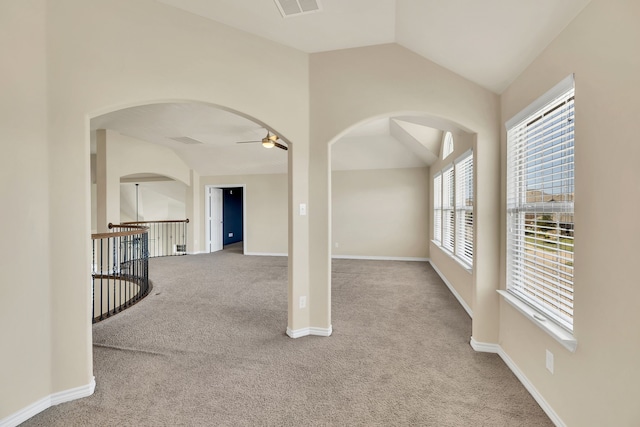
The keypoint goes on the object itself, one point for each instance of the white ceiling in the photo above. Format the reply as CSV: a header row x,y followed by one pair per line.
x,y
380,144
217,129
489,42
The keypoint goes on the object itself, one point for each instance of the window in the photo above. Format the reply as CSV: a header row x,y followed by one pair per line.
x,y
448,224
437,208
453,198
447,145
464,208
540,193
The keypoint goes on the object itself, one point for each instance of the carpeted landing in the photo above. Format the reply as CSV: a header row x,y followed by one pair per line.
x,y
207,348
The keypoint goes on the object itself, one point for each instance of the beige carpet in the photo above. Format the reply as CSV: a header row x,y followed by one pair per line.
x,y
207,348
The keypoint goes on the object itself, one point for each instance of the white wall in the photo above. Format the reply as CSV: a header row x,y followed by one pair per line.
x,y
598,384
25,283
380,213
156,200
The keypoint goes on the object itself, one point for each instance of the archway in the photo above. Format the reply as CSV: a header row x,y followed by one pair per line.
x,y
179,151
189,142
393,160
388,147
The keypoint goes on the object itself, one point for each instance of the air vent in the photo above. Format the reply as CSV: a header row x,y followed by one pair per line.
x,y
187,140
297,7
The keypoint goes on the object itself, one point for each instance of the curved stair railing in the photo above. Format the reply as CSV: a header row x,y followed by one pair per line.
x,y
120,261
119,269
166,238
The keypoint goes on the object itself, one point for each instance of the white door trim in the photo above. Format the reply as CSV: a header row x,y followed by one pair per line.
x,y
245,236
213,222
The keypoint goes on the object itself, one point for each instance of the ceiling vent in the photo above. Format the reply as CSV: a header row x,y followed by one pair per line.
x,y
187,140
290,8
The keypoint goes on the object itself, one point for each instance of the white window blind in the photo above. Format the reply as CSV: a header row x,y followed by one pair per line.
x,y
464,208
437,208
448,223
540,195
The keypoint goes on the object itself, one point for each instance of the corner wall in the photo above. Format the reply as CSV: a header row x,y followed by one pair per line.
x,y
598,384
352,86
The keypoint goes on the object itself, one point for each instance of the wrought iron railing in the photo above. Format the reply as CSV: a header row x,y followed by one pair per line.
x,y
119,269
166,238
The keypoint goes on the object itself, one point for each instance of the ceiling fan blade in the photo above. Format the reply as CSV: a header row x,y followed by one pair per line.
x,y
283,147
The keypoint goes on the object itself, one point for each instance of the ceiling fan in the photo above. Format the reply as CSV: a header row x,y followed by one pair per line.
x,y
269,141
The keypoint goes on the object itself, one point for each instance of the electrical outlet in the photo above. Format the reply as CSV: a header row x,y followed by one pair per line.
x,y
549,361
303,302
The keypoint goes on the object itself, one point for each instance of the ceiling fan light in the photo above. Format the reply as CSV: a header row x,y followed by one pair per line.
x,y
267,143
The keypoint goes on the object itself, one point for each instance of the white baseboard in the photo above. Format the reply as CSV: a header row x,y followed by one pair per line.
x,y
265,254
483,347
246,253
321,332
380,258
47,402
497,349
453,291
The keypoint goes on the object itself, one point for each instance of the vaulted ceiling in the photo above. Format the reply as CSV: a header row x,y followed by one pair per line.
x,y
489,42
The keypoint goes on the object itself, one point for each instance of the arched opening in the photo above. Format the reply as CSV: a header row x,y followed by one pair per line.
x,y
156,161
385,163
193,143
382,193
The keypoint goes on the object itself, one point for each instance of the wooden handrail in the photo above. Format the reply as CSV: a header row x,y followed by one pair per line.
x,y
153,222
136,230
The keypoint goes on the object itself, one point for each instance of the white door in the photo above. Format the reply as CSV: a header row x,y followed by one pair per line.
x,y
214,219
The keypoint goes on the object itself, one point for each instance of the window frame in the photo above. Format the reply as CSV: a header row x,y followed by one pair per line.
x,y
437,208
464,207
448,210
534,180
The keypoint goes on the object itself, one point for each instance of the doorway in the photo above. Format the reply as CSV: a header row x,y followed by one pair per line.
x,y
232,232
214,219
225,216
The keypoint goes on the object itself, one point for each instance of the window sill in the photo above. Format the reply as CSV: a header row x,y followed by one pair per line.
x,y
464,265
557,332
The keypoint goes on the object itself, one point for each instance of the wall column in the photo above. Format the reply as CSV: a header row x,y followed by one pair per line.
x,y
107,184
486,277
320,233
299,321
193,210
